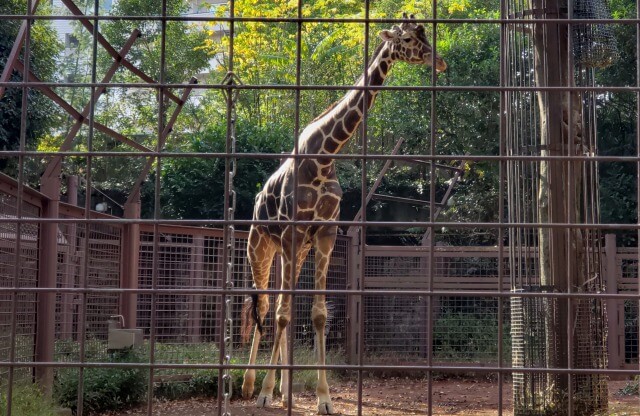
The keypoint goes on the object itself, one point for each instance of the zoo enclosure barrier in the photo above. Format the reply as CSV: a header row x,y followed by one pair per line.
x,y
189,267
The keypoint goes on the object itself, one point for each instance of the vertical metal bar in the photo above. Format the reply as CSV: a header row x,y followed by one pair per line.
x,y
638,170
572,266
84,275
363,208
227,228
294,244
501,199
157,213
432,198
19,204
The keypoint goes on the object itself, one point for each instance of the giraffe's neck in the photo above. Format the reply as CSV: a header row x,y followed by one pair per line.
x,y
328,133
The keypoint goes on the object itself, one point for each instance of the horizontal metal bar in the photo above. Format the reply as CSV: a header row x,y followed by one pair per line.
x,y
413,224
293,19
320,87
338,156
333,292
353,367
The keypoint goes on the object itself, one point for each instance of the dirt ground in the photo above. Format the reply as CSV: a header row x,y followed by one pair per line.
x,y
389,397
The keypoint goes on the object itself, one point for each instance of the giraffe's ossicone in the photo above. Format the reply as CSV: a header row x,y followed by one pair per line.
x,y
291,230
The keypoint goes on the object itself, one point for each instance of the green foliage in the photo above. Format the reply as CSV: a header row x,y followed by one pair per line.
x,y
631,388
184,55
464,336
111,388
192,187
265,53
42,113
617,113
27,400
130,111
104,388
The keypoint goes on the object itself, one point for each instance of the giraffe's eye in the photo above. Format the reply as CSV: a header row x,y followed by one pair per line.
x,y
406,40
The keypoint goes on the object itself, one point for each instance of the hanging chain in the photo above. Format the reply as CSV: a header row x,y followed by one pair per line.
x,y
231,97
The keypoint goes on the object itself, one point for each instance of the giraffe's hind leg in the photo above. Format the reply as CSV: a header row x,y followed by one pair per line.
x,y
260,252
283,317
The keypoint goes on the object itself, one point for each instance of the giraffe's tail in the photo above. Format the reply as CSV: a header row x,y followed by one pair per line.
x,y
250,316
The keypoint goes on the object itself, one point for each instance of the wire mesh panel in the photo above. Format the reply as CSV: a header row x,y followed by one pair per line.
x,y
97,267
169,312
336,280
465,328
628,283
17,309
394,326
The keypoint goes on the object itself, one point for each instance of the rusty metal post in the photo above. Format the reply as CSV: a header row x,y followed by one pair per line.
x,y
353,302
130,259
196,277
615,307
46,324
68,277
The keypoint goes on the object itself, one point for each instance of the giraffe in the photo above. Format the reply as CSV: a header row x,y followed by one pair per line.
x,y
318,197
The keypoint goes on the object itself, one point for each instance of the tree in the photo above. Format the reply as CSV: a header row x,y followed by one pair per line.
x,y
617,130
192,187
332,54
133,112
42,113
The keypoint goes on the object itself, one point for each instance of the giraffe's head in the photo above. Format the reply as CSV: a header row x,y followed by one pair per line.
x,y
409,43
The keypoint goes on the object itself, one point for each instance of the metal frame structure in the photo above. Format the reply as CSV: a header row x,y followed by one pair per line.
x,y
37,301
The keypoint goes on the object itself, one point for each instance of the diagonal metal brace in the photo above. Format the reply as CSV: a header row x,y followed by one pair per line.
x,y
135,190
54,166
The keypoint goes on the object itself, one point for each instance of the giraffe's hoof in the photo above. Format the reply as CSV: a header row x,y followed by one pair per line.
x,y
285,402
247,391
263,401
325,408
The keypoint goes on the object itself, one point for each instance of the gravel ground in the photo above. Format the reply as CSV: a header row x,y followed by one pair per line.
x,y
387,397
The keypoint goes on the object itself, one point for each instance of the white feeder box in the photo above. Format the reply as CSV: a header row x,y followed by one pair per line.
x,y
120,338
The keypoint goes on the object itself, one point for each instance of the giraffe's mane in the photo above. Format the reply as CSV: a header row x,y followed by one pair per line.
x,y
335,103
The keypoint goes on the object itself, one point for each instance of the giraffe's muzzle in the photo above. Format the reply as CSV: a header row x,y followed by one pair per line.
x,y
441,65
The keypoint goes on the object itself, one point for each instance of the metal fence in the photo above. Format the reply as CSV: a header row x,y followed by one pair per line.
x,y
431,308
464,332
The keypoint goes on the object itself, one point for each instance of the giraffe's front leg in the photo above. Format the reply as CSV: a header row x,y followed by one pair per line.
x,y
324,247
284,373
319,318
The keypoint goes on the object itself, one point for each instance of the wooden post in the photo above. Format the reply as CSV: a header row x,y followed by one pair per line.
x,y
130,258
615,307
46,309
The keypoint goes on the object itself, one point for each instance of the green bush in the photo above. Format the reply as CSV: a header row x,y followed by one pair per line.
x,y
108,388
27,400
631,388
202,383
113,388
469,337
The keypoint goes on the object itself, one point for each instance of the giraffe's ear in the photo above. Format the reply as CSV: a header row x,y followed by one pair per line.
x,y
388,35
